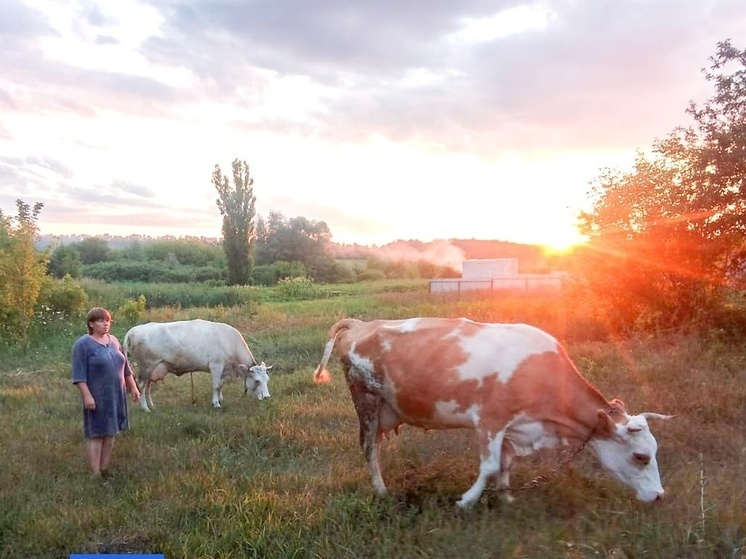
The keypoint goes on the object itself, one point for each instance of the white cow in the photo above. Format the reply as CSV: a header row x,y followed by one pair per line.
x,y
512,383
159,348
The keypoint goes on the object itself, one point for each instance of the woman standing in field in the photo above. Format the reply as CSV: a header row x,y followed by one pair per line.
x,y
102,374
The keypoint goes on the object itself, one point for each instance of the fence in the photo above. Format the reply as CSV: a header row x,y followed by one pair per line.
x,y
519,284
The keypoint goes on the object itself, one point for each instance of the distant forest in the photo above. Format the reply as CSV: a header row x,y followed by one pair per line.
x,y
446,252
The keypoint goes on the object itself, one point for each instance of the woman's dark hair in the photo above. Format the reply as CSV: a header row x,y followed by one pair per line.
x,y
96,313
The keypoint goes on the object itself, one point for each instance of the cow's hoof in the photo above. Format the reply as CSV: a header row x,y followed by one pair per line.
x,y
506,497
464,505
463,511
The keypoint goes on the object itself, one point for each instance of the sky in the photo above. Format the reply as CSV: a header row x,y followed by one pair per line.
x,y
386,119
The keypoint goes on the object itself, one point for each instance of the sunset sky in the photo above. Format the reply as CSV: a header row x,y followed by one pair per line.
x,y
386,119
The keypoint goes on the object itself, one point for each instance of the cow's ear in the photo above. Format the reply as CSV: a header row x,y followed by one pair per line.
x,y
243,368
617,407
605,425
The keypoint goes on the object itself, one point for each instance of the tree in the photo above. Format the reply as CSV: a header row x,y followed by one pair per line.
x,y
644,259
64,261
92,250
718,162
296,240
236,204
187,251
22,269
666,237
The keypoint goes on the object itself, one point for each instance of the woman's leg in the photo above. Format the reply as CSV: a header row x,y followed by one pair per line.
x,y
93,449
107,445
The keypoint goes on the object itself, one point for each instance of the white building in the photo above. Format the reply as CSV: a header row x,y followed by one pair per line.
x,y
498,274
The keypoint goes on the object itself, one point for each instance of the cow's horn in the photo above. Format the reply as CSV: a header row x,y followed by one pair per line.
x,y
651,415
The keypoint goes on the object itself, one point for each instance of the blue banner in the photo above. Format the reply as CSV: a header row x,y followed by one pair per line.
x,y
117,556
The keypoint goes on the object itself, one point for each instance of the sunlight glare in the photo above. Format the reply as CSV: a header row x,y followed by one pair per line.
x,y
562,241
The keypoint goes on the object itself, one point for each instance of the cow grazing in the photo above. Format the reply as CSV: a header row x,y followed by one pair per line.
x,y
512,383
158,348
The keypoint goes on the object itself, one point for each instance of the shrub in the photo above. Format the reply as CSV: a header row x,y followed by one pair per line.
x,y
297,288
141,271
271,274
63,296
133,311
371,274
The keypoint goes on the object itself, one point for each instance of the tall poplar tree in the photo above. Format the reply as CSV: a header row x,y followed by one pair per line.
x,y
236,204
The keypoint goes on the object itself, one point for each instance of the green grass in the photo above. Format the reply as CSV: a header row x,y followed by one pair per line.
x,y
286,478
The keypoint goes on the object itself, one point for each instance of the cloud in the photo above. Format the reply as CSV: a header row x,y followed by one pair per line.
x,y
588,69
122,108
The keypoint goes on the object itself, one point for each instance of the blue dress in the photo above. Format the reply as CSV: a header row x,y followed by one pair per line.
x,y
104,368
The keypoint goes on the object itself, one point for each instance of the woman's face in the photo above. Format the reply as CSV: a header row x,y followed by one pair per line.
x,y
100,326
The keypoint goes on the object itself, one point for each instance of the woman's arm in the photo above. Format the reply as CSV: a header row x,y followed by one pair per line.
x,y
129,377
88,402
134,390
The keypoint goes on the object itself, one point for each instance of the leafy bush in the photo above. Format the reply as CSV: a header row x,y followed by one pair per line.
x,y
146,271
133,311
64,296
270,274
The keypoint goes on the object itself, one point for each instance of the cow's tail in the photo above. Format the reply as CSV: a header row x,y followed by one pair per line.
x,y
322,373
127,348
126,344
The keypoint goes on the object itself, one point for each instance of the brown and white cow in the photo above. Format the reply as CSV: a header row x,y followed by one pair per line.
x,y
512,383
184,346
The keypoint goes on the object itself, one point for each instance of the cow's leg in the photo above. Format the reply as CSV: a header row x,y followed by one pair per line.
x,y
216,371
150,393
145,393
156,374
367,406
503,481
489,454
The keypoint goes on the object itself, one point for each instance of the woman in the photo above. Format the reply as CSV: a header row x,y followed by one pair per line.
x,y
102,374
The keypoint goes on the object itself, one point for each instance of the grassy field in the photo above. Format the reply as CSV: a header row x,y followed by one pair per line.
x,y
285,477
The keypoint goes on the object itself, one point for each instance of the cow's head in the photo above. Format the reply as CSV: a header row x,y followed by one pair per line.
x,y
627,448
257,380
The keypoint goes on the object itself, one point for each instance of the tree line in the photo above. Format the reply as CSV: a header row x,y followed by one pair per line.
x,y
283,248
46,282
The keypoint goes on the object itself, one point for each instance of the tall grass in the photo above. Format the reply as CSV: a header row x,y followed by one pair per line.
x,y
178,295
285,477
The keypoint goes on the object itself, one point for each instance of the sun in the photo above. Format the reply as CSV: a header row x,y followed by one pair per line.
x,y
560,241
